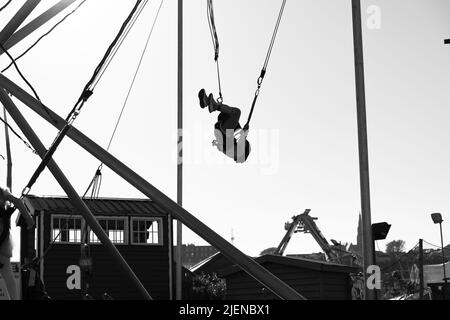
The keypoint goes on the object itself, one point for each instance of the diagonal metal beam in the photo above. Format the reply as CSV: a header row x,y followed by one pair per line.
x,y
246,263
36,24
71,193
17,20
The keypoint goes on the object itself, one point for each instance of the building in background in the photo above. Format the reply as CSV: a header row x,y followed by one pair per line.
x,y
139,230
192,254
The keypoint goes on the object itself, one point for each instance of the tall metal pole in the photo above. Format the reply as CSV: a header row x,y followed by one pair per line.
x,y
36,24
246,263
179,271
421,282
72,194
17,20
363,145
443,253
8,154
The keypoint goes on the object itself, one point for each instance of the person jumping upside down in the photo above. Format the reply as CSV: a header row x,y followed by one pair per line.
x,y
231,137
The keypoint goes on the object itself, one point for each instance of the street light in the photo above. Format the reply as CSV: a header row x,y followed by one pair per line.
x,y
379,232
437,219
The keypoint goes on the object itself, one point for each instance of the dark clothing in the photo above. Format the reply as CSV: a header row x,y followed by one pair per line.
x,y
226,127
228,118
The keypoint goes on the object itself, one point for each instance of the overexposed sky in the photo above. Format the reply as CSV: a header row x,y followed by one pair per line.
x,y
304,132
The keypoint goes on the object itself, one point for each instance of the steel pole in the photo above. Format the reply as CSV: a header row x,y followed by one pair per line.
x,y
363,145
179,266
17,20
421,280
246,263
36,24
443,253
71,193
8,154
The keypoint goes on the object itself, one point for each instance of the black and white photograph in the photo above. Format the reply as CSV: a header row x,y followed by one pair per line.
x,y
221,156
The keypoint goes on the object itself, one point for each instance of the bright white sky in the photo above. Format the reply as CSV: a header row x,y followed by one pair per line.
x,y
304,133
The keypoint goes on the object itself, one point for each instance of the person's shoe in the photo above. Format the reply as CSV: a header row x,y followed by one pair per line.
x,y
212,104
203,99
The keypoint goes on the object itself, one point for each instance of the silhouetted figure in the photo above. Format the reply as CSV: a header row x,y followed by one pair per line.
x,y
231,137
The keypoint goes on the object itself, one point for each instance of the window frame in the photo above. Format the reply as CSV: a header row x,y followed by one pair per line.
x,y
110,218
64,216
147,219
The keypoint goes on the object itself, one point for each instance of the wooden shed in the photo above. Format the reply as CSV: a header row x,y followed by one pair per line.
x,y
315,280
138,228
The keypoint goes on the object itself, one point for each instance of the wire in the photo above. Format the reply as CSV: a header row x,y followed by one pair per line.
x,y
215,42
18,135
19,72
44,35
87,92
399,259
90,86
274,36
433,245
128,94
135,75
5,5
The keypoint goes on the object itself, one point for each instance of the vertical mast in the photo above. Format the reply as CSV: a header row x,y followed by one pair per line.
x,y
180,151
363,145
8,154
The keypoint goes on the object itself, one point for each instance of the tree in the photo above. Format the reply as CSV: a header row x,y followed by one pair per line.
x,y
208,287
268,251
395,247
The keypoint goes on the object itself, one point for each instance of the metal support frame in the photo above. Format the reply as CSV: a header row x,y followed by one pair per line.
x,y
17,20
363,145
70,191
246,263
35,24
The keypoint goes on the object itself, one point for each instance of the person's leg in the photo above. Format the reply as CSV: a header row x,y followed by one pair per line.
x,y
230,116
8,277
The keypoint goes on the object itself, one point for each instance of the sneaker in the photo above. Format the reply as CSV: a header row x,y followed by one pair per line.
x,y
203,99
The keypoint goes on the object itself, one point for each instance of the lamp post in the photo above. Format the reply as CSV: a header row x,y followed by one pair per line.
x,y
437,219
379,232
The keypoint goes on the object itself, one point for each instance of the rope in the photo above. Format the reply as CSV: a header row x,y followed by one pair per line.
x,y
18,135
125,104
135,76
216,45
96,182
433,245
87,92
19,72
266,63
44,35
5,5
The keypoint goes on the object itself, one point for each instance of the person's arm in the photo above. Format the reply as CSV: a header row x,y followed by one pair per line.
x,y
5,196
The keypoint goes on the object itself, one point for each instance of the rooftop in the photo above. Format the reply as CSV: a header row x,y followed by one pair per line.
x,y
101,206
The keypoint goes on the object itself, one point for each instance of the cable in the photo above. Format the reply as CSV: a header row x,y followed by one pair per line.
x,y
433,245
135,75
5,5
87,92
17,135
129,92
399,259
90,86
215,41
19,72
266,63
44,35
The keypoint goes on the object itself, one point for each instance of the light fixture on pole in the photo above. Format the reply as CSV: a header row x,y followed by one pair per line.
x,y
437,219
